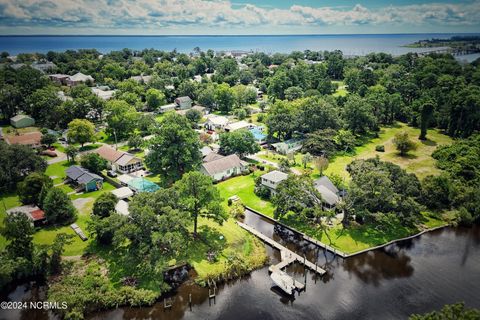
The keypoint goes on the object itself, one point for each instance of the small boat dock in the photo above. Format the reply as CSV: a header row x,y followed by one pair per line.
x,y
288,256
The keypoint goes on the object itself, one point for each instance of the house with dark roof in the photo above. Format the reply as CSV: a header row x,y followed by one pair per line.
x,y
84,179
120,161
224,167
330,193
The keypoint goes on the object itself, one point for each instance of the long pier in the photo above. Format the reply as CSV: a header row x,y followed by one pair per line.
x,y
288,256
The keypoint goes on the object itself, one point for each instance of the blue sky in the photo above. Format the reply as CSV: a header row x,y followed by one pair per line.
x,y
237,16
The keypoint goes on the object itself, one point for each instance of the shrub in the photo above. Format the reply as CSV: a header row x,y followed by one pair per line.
x,y
380,148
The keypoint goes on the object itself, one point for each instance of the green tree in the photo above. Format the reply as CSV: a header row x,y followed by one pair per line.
x,y
306,158
17,162
293,93
43,104
48,139
321,164
194,116
155,98
81,131
425,115
175,149
240,142
58,247
135,142
30,189
93,162
121,118
358,114
18,231
58,207
200,198
104,205
71,151
452,311
403,143
281,120
224,98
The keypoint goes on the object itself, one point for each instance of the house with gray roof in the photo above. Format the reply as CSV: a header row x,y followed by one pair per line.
x,y
84,179
272,179
330,193
79,78
224,167
184,102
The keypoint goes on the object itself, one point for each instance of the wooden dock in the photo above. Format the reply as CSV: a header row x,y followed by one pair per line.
x,y
288,256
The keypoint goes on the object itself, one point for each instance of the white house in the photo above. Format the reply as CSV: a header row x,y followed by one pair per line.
x,y
103,94
224,167
184,102
79,78
234,126
272,179
215,122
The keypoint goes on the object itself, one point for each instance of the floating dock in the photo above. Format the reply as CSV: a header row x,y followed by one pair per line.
x,y
288,256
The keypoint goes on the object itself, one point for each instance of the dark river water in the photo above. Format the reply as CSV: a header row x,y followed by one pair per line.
x,y
415,276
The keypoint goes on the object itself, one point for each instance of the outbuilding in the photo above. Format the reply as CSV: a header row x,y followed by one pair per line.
x,y
22,121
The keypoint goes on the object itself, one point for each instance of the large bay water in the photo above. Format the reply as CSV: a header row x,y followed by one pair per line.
x,y
360,44
415,276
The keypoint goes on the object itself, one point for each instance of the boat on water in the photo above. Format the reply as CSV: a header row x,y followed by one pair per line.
x,y
283,281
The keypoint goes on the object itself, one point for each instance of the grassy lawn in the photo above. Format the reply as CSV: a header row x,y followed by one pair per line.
x,y
419,161
46,235
7,201
139,153
341,90
254,118
58,170
243,187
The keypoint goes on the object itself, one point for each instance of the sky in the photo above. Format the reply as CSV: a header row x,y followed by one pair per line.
x,y
194,17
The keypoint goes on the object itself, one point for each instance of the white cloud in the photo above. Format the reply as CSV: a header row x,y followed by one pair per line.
x,y
154,14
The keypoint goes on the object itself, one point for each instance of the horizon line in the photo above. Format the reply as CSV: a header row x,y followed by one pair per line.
x,y
230,35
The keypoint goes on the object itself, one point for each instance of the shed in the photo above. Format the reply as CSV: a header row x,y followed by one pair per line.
x,y
22,121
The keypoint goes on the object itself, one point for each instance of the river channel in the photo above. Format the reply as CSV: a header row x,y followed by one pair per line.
x,y
414,276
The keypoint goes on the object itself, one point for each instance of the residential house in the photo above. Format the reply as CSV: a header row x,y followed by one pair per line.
x,y
234,126
330,193
79,78
33,213
22,121
184,102
205,151
142,79
84,179
272,179
120,161
31,139
60,79
103,94
212,156
288,146
43,67
215,122
224,167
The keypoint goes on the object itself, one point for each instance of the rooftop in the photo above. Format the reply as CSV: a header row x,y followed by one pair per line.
x,y
222,164
275,176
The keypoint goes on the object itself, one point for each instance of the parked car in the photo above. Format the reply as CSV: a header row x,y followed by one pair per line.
x,y
49,153
111,173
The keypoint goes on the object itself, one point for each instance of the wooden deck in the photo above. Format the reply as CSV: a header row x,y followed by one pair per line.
x,y
288,256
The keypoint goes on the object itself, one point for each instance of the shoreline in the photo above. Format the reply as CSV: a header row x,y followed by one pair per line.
x,y
339,252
